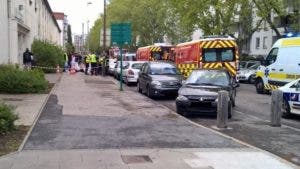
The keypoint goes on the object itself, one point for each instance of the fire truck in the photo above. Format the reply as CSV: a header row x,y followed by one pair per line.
x,y
154,52
209,52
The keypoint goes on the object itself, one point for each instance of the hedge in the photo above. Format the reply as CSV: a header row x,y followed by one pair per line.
x,y
15,80
7,118
47,55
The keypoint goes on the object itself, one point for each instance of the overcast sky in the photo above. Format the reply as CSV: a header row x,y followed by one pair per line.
x,y
78,12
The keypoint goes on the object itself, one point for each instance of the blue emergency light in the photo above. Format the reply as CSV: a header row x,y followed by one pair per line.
x,y
291,34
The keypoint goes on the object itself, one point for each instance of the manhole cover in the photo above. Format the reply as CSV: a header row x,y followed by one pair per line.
x,y
99,81
130,159
12,99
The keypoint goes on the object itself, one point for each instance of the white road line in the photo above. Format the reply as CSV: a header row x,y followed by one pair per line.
x,y
256,118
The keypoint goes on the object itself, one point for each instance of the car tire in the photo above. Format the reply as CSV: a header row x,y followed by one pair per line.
x,y
259,85
286,110
149,92
181,112
251,80
138,87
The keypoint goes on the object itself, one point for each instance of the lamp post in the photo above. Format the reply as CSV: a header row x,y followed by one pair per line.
x,y
87,38
104,25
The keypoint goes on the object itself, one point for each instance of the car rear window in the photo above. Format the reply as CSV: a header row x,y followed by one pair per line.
x,y
137,65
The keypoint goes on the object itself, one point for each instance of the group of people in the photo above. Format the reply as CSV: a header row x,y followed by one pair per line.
x,y
95,65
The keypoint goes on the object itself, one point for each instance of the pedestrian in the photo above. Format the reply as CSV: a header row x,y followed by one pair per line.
x,y
93,64
27,59
87,61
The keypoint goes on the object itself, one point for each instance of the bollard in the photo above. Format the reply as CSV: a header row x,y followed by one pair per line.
x,y
222,116
276,106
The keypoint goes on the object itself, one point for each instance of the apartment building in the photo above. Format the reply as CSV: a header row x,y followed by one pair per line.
x,y
22,21
62,21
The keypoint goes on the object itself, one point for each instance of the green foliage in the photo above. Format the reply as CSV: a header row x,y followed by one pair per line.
x,y
14,80
94,37
69,34
7,118
70,48
47,55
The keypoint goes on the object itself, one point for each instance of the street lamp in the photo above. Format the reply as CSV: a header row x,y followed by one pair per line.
x,y
87,43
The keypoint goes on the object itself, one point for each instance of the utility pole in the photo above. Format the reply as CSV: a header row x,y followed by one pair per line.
x,y
104,25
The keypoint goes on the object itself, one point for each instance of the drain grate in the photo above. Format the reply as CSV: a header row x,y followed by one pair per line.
x,y
131,159
99,81
12,99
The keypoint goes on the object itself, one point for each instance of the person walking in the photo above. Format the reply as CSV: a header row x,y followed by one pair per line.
x,y
87,61
27,59
94,64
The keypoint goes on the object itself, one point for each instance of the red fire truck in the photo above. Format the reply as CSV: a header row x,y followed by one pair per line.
x,y
210,52
153,53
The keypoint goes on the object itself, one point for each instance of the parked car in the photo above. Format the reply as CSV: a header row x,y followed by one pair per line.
x,y
159,79
117,70
247,64
111,66
199,93
248,74
131,71
291,98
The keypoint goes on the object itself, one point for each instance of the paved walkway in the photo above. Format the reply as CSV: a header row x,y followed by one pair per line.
x,y
88,123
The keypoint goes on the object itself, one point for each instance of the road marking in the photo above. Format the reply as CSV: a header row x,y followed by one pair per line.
x,y
232,160
256,118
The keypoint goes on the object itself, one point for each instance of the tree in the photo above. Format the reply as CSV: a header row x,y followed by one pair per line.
x,y
69,34
94,36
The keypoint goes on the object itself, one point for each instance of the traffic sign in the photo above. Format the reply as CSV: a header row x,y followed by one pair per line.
x,y
120,34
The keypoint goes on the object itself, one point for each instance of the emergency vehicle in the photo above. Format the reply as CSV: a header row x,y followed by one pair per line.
x,y
207,53
154,52
291,98
281,66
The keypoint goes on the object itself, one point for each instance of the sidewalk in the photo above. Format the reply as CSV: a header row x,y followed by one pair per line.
x,y
87,124
28,105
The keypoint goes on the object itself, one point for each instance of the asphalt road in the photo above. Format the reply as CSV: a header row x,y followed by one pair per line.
x,y
251,124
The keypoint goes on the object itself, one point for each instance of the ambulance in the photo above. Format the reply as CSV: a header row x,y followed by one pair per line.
x,y
281,66
211,52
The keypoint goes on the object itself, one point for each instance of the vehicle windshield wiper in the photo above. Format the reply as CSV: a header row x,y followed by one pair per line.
x,y
192,83
210,84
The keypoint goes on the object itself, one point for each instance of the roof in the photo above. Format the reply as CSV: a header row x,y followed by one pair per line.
x,y
51,12
287,42
59,15
203,40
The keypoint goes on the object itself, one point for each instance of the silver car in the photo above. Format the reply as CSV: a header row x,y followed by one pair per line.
x,y
131,71
247,74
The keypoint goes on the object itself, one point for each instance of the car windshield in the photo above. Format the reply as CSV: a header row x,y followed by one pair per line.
x,y
137,65
163,69
208,77
254,67
242,64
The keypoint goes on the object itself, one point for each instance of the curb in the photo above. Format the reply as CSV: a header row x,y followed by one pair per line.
x,y
38,116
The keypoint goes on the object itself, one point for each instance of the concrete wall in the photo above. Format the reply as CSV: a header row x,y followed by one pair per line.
x,y
4,36
27,20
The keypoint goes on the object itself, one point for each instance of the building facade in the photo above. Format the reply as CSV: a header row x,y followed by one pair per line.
x,y
22,21
62,21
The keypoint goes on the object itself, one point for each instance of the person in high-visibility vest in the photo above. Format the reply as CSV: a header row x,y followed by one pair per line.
x,y
93,64
87,61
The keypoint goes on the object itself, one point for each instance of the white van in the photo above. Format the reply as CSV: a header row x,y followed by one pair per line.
x,y
282,65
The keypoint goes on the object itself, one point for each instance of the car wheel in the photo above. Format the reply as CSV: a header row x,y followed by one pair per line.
x,y
286,110
251,79
138,87
149,92
259,85
181,111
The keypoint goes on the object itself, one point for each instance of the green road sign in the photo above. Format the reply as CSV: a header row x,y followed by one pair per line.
x,y
120,34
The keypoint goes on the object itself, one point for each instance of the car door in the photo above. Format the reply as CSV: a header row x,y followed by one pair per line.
x,y
291,94
274,69
142,76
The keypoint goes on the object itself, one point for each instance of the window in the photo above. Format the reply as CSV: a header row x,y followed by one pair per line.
x,y
265,42
219,55
271,58
257,43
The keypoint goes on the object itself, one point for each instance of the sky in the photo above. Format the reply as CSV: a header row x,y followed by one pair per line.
x,y
78,12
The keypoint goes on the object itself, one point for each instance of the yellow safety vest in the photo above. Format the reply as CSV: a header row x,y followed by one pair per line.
x,y
88,59
93,59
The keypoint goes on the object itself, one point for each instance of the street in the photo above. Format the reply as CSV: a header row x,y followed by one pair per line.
x,y
250,123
